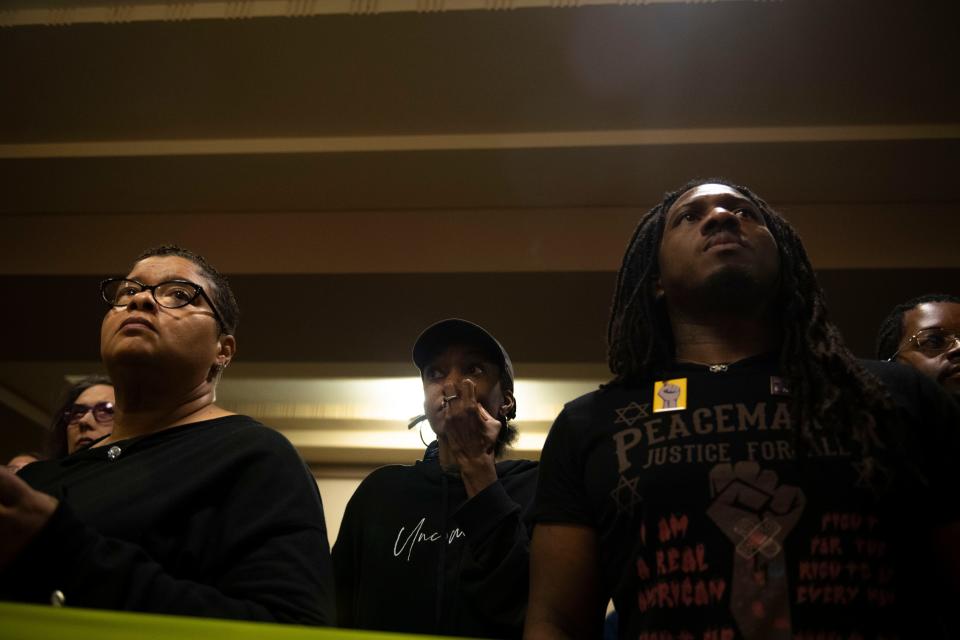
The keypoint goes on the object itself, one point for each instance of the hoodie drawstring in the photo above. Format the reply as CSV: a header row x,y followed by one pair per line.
x,y
443,548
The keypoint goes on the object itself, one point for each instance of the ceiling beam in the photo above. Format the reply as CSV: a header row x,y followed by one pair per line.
x,y
837,235
480,141
57,14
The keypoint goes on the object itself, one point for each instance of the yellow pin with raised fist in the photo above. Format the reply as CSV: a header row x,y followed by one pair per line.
x,y
670,395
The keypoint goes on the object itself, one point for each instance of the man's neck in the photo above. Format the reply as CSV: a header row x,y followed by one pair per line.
x,y
722,338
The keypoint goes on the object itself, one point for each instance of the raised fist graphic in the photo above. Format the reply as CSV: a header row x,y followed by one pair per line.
x,y
669,393
756,514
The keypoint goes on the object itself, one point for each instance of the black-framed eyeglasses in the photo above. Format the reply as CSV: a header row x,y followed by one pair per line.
x,y
172,294
930,342
102,412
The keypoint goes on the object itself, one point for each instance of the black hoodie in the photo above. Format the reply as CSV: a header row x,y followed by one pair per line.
x,y
414,555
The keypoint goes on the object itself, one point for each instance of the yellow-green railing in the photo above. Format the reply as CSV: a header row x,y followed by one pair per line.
x,y
37,622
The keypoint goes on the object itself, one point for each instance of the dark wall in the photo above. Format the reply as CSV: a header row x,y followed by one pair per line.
x,y
540,317
18,435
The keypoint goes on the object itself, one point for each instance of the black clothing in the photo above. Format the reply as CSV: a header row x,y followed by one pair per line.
x,y
414,555
709,525
218,518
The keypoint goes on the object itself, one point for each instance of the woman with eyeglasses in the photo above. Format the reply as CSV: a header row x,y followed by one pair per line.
x,y
84,416
185,508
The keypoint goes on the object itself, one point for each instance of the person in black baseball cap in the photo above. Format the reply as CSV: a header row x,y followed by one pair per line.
x,y
442,546
470,399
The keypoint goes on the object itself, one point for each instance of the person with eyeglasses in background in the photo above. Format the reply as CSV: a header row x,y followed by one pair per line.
x,y
925,333
84,415
185,508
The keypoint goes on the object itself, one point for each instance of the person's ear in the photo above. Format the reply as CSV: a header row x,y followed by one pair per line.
x,y
509,406
226,349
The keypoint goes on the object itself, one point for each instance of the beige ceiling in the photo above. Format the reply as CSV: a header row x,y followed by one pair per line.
x,y
366,171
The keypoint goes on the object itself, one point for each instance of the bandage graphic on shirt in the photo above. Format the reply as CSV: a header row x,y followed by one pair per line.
x,y
756,512
670,395
757,538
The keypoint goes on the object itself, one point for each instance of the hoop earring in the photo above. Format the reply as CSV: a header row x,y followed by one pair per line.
x,y
420,431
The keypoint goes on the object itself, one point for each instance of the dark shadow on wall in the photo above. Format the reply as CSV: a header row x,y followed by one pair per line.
x,y
540,317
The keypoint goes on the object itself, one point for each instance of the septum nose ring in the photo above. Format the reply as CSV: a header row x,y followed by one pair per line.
x,y
447,399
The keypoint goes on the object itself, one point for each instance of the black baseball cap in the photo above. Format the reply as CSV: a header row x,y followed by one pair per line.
x,y
440,335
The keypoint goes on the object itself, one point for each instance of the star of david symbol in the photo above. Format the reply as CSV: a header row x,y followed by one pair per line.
x,y
625,495
631,413
862,480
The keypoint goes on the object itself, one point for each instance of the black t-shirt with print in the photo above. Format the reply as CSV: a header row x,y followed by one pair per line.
x,y
709,527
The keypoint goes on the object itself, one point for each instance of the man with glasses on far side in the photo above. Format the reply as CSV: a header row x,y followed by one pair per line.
x,y
925,333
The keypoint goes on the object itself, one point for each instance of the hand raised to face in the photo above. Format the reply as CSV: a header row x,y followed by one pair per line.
x,y
468,428
463,399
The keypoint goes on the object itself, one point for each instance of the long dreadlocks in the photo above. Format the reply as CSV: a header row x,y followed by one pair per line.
x,y
829,388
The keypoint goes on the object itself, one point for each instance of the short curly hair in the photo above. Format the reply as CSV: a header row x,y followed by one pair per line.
x,y
222,294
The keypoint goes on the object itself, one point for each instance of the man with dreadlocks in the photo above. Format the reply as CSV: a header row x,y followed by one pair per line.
x,y
743,475
925,333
